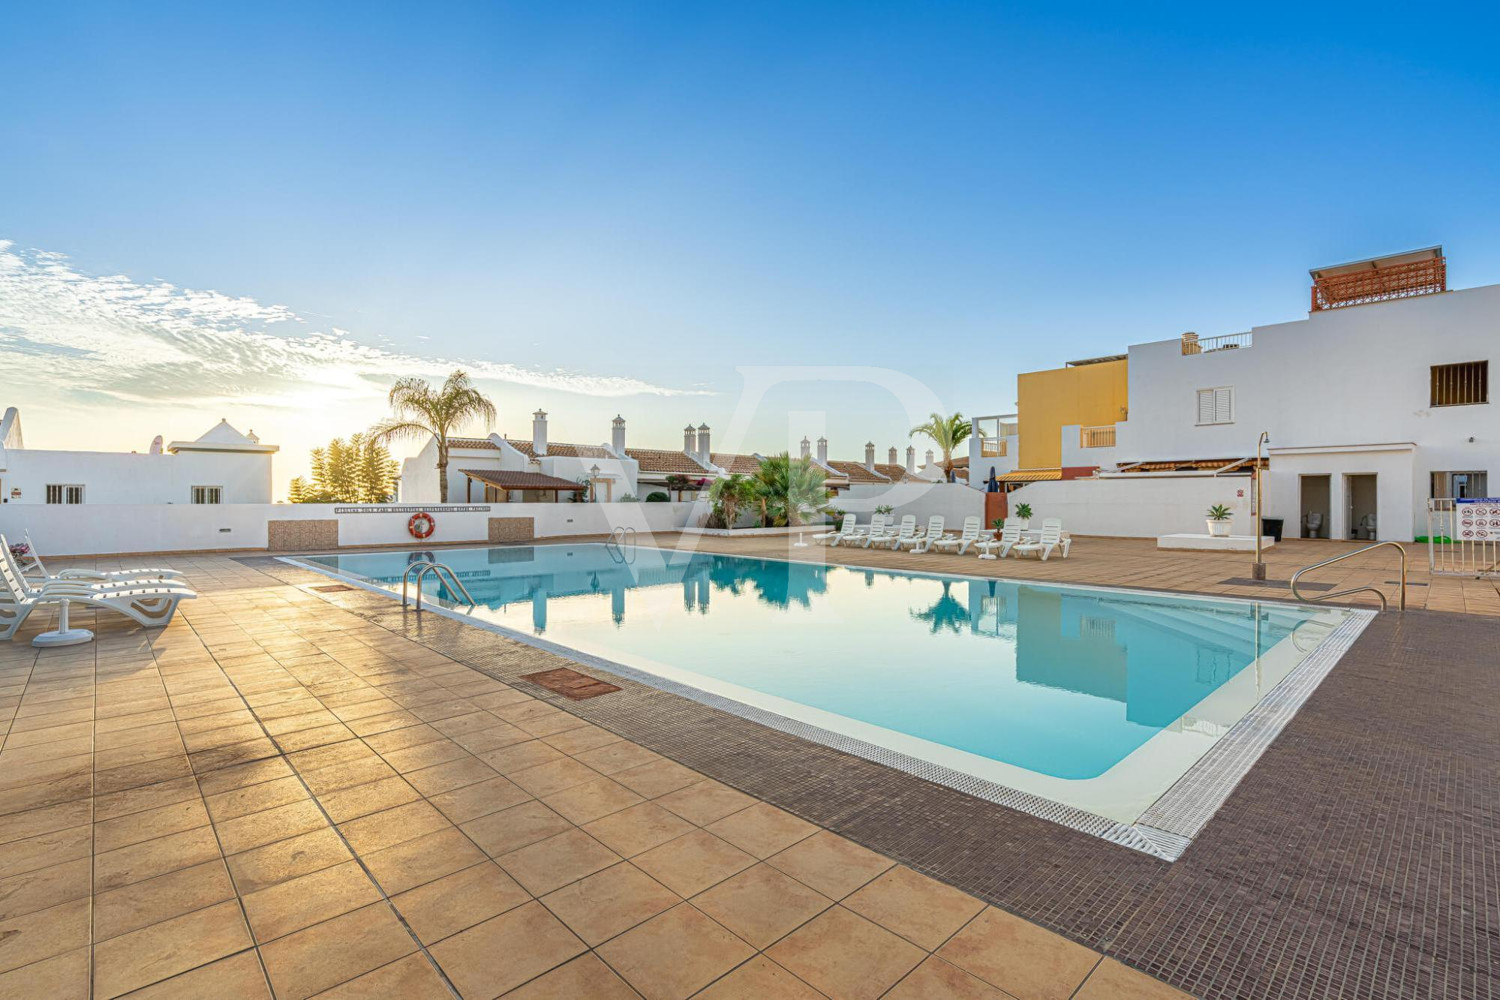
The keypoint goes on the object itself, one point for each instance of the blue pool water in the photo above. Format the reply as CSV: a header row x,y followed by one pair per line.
x,y
1062,681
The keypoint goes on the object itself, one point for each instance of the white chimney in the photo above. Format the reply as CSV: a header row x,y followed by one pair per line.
x,y
929,456
617,435
911,458
806,448
823,450
539,432
891,456
703,448
689,439
156,445
870,455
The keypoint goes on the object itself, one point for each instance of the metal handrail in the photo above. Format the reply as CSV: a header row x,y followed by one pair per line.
x,y
421,569
618,539
1353,590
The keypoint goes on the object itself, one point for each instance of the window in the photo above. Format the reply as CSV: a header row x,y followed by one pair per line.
x,y
1459,485
1461,384
63,493
1216,406
208,494
991,444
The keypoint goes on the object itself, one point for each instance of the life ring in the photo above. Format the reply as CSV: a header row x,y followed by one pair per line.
x,y
421,525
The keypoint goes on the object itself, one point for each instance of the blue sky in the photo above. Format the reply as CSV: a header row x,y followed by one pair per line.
x,y
613,207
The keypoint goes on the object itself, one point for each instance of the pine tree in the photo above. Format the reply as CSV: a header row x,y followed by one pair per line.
x,y
359,470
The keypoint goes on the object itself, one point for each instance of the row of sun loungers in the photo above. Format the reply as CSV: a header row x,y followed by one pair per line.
x,y
907,536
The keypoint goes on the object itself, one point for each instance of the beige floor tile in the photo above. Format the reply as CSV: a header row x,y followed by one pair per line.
x,y
289,906
418,861
615,757
760,979
132,800
658,778
609,902
1019,957
480,799
935,979
637,829
335,951
49,819
693,862
142,904
830,864
1111,980
138,862
505,951
424,756
583,977
922,910
705,802
286,859
762,829
846,956
762,905
149,825
41,934
459,901
548,779
521,756
553,863
45,850
591,800
675,954
244,833
45,887
61,977
351,803
390,827
446,777
409,978
583,738
512,829
165,949
239,976
255,798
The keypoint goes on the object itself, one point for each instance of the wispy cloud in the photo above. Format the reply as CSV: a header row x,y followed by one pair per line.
x,y
110,336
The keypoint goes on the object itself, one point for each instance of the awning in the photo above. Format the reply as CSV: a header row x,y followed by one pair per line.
x,y
1030,476
1193,465
504,480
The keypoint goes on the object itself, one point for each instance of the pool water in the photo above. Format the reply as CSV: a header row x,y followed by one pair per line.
x,y
1096,697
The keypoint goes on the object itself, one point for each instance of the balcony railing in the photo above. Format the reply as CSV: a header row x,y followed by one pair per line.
x,y
1102,436
992,447
1397,281
1194,344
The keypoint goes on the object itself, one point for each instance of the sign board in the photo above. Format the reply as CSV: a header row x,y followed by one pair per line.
x,y
389,509
1478,520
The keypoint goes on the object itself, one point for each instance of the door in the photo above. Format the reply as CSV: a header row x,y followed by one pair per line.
x,y
1360,497
1315,505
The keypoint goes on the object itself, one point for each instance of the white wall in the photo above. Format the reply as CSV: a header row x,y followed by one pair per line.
x,y
138,528
1351,376
130,478
1075,456
1396,510
1139,505
954,501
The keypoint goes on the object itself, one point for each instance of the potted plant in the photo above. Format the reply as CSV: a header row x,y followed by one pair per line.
x,y
1219,520
999,525
1023,515
883,508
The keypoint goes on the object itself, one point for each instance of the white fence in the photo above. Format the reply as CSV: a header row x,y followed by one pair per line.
x,y
954,501
1463,537
118,529
1139,505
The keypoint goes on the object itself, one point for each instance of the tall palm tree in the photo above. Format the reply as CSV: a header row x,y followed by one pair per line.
x,y
421,410
947,433
790,489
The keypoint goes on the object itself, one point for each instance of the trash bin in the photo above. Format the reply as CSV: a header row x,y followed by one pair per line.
x,y
1272,526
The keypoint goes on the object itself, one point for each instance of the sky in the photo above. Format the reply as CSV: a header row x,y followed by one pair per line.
x,y
775,219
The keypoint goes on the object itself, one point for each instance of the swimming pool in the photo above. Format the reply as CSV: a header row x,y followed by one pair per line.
x,y
1094,698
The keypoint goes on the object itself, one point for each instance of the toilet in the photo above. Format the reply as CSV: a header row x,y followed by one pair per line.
x,y
1367,527
1314,523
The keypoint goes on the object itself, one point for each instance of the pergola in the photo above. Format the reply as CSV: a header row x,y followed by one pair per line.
x,y
505,481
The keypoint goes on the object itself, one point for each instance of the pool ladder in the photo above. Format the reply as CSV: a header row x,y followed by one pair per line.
x,y
621,544
1353,590
442,571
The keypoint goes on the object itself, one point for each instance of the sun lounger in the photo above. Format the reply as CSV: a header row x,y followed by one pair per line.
x,y
933,533
150,605
962,541
97,576
1051,539
1010,536
845,528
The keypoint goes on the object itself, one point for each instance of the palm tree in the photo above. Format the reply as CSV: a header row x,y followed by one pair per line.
x,y
947,433
790,489
730,496
422,410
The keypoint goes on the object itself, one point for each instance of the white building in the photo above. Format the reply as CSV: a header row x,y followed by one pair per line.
x,y
222,466
1376,402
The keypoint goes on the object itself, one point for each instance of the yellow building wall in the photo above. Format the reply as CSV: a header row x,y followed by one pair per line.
x,y
1048,401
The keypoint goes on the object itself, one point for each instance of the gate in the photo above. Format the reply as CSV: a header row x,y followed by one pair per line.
x,y
1463,537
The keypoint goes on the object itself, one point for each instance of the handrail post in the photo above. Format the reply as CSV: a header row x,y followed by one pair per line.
x,y
1384,604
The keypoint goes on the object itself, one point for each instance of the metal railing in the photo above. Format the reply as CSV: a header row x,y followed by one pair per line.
x,y
442,571
1102,436
1353,590
621,544
1194,344
1463,537
992,447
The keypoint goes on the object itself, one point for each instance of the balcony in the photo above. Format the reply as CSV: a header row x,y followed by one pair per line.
x,y
1194,344
1379,279
1102,436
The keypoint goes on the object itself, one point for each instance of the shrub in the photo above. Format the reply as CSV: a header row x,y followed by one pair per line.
x,y
657,497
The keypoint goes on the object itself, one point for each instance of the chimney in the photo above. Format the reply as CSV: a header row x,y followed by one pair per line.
x,y
806,448
689,439
823,450
929,456
891,456
911,458
539,432
870,455
703,448
617,435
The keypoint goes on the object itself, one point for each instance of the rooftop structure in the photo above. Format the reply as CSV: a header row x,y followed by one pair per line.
x,y
1377,279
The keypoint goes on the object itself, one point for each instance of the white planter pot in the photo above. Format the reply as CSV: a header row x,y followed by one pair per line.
x,y
1219,529
1023,525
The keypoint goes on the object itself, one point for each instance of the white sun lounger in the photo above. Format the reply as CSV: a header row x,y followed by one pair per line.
x,y
880,530
845,528
895,539
933,533
1051,539
94,575
961,542
151,606
32,586
1010,536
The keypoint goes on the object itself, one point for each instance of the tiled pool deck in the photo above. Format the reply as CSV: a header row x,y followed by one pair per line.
x,y
314,793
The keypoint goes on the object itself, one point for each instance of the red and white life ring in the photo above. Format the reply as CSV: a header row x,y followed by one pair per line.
x,y
421,525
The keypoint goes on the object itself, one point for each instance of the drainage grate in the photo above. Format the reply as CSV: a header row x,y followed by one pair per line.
x,y
332,588
570,683
1245,581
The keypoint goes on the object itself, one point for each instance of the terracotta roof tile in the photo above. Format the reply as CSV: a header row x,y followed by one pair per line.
x,y
506,480
856,472
745,465
561,449
662,461
474,443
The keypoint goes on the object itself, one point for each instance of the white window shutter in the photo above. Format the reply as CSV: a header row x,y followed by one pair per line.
x,y
1223,406
1205,406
